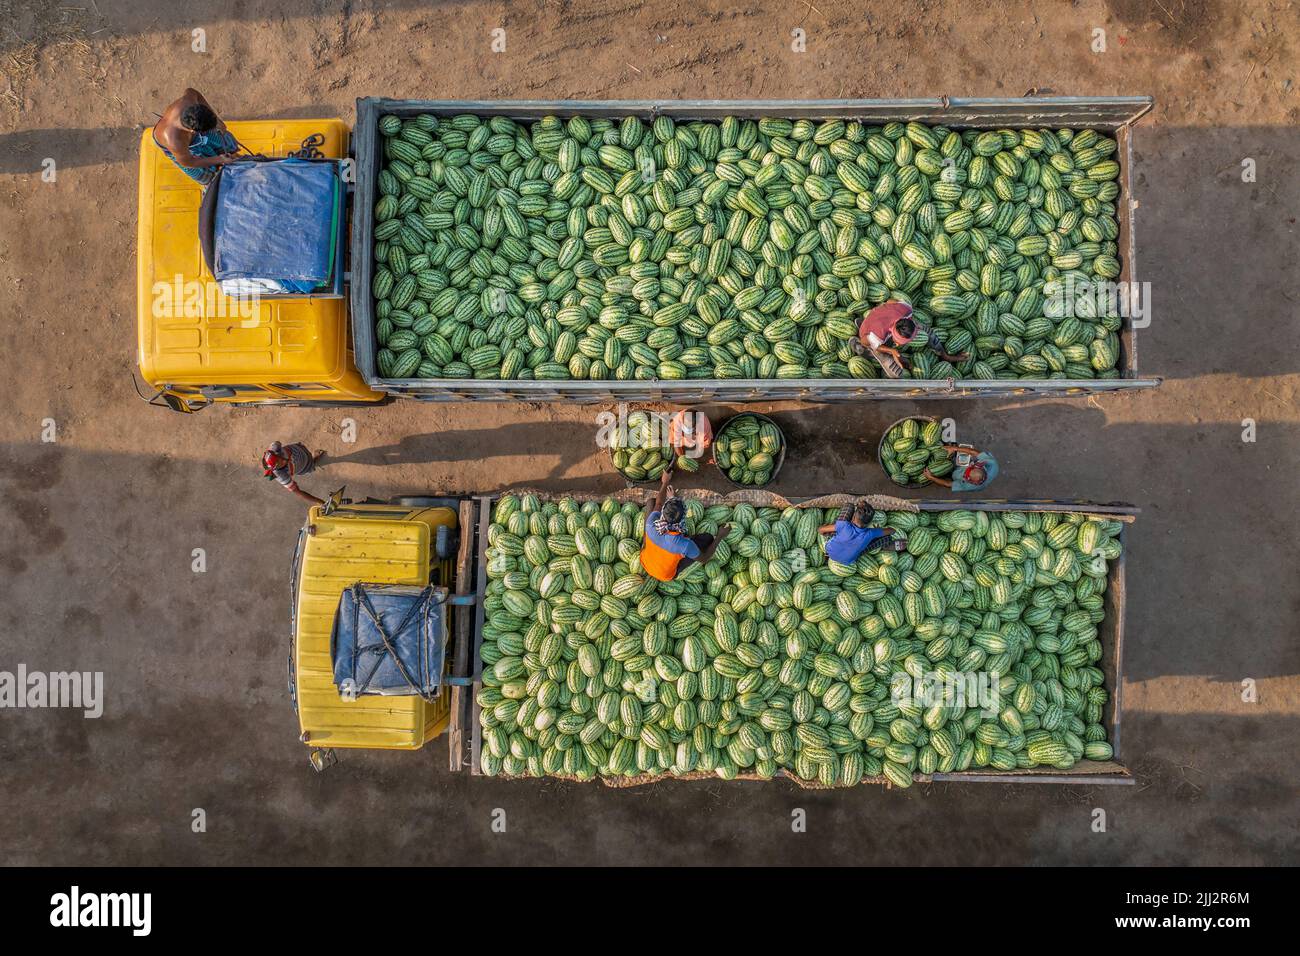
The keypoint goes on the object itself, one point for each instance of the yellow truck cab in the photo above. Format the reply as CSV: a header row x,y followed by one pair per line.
x,y
409,541
198,346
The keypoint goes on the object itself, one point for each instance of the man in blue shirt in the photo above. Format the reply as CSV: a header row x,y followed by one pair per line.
x,y
852,536
669,548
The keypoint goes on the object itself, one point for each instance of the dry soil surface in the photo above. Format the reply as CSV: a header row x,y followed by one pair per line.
x,y
99,526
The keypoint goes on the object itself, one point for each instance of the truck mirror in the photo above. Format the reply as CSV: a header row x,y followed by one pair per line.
x,y
333,501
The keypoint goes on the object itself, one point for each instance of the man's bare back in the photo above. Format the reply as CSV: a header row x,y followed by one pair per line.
x,y
183,121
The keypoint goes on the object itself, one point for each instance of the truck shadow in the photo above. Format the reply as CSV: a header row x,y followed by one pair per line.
x,y
27,150
539,441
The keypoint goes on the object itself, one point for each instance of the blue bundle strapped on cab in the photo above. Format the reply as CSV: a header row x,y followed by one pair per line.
x,y
275,227
389,639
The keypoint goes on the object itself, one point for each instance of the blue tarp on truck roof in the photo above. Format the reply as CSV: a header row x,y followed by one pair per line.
x,y
276,222
389,639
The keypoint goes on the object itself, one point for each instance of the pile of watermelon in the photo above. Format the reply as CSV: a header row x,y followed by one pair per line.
x,y
749,450
771,658
617,249
909,448
640,450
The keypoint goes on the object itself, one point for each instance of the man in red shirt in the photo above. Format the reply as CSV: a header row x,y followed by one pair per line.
x,y
284,463
889,326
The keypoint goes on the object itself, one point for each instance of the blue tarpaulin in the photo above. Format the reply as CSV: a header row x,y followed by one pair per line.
x,y
275,222
389,639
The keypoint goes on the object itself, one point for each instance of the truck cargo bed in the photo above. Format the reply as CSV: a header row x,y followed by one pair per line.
x,y
1111,636
1114,115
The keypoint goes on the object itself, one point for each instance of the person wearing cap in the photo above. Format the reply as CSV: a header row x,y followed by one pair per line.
x,y
972,469
690,434
851,535
286,463
669,548
886,329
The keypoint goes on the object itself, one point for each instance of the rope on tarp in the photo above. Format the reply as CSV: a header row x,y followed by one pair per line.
x,y
417,611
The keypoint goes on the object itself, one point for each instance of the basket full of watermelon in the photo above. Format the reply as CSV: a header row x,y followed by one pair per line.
x,y
750,450
639,449
909,447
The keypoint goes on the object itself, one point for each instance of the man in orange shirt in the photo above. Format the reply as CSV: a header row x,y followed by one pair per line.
x,y
668,549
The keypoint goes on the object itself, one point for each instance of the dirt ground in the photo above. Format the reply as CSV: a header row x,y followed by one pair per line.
x,y
99,526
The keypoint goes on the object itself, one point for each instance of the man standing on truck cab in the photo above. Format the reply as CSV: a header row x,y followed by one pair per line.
x,y
668,549
286,463
852,536
194,137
